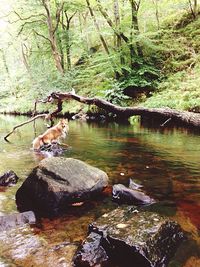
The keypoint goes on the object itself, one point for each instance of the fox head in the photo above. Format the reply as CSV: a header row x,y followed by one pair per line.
x,y
64,124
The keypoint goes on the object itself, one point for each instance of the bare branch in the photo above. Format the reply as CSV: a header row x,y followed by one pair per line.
x,y
192,9
26,23
110,23
70,18
49,116
137,4
184,117
58,12
25,18
23,123
41,35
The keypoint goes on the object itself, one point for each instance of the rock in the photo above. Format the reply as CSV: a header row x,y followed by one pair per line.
x,y
23,247
123,195
91,253
51,150
9,178
134,185
138,239
16,220
58,182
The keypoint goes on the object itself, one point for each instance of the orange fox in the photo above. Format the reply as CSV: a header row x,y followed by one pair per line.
x,y
53,134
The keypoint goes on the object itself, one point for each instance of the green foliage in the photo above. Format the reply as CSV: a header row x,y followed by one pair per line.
x,y
143,76
180,91
116,94
170,45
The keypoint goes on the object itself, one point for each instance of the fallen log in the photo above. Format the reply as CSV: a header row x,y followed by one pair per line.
x,y
186,118
190,119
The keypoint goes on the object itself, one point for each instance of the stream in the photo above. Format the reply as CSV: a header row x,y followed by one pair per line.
x,y
165,161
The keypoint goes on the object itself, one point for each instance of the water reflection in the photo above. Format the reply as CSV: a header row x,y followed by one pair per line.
x,y
165,161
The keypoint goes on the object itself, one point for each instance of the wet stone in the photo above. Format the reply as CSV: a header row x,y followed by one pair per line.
x,y
9,178
123,195
17,219
53,149
91,253
57,183
22,247
135,238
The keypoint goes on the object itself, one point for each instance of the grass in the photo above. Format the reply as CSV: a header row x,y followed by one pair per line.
x,y
180,89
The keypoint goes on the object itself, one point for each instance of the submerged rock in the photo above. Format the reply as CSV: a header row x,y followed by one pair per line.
x,y
138,239
9,178
91,253
17,219
134,185
123,195
51,150
58,182
22,247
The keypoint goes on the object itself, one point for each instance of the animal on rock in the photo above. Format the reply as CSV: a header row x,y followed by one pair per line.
x,y
51,135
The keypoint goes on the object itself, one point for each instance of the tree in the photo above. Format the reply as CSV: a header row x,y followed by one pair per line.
x,y
103,41
193,7
52,33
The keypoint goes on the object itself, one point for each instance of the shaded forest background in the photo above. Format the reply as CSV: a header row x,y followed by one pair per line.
x,y
135,53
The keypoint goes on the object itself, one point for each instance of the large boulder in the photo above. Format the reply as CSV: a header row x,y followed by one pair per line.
x,y
135,238
58,182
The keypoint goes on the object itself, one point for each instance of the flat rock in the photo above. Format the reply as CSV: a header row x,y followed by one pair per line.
x,y
58,182
138,238
22,247
16,219
123,195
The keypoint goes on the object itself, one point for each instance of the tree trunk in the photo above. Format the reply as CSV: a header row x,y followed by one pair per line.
x,y
5,63
88,39
52,37
67,32
24,58
117,25
193,7
186,118
134,30
98,28
155,2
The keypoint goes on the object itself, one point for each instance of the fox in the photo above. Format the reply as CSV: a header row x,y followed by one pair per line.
x,y
51,135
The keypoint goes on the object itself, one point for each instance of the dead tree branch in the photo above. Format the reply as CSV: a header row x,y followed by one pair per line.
x,y
23,123
187,118
49,116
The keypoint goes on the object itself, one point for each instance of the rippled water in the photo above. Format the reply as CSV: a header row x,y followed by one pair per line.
x,y
165,162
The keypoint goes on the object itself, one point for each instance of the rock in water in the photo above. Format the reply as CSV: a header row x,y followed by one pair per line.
x,y
51,150
91,253
9,178
17,219
58,182
123,195
138,239
134,185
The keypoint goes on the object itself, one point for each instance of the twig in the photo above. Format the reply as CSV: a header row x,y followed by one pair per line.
x,y
23,123
165,122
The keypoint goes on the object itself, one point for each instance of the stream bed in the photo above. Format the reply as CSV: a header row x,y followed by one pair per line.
x,y
165,161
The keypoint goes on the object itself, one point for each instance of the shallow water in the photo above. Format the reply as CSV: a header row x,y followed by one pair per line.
x,y
165,161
